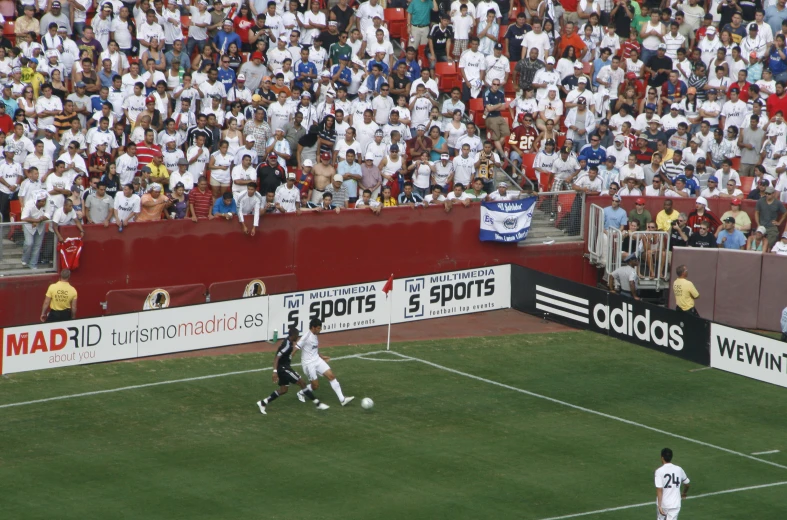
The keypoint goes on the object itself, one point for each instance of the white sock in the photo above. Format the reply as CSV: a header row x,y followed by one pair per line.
x,y
338,389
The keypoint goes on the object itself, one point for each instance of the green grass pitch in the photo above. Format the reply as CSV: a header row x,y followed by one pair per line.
x,y
437,445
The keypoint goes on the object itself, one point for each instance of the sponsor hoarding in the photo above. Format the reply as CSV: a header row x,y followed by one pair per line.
x,y
747,354
340,308
179,329
586,307
68,343
452,293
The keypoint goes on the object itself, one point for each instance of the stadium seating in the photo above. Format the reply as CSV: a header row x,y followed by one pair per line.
x,y
396,19
527,166
746,185
736,163
8,31
476,109
447,75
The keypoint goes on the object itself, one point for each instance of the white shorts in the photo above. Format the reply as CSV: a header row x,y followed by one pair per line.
x,y
671,514
315,369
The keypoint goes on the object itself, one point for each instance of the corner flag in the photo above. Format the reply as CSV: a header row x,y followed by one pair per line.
x,y
388,287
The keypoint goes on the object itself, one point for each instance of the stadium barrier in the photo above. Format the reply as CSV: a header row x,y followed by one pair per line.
x,y
248,320
584,307
741,289
747,354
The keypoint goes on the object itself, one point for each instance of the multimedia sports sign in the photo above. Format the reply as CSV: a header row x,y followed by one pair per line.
x,y
586,307
248,320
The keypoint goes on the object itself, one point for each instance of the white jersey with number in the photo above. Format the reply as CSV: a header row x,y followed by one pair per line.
x,y
309,347
669,478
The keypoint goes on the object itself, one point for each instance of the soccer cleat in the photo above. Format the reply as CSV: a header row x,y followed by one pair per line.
x,y
301,397
262,408
347,400
322,406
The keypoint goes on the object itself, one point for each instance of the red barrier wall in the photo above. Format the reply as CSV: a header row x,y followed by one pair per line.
x,y
232,290
120,301
322,250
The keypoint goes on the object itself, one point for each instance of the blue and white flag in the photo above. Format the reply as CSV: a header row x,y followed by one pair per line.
x,y
506,221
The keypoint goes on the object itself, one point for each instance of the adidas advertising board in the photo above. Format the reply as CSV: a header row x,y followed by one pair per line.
x,y
747,354
449,294
585,307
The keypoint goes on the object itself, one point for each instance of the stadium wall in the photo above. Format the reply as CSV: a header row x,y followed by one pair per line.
x,y
319,249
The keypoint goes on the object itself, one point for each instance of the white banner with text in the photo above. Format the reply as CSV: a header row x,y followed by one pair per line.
x,y
747,354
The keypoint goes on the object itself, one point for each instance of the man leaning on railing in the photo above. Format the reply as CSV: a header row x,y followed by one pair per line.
x,y
33,217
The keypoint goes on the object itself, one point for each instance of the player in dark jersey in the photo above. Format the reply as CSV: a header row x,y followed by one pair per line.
x,y
284,375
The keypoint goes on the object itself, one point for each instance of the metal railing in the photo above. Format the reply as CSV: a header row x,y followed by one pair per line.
x,y
612,247
596,235
557,217
526,184
652,249
22,253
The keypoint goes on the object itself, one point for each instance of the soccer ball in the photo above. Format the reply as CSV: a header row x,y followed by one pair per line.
x,y
366,403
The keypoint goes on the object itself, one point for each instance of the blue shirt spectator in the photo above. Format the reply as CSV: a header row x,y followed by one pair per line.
x,y
382,64
11,106
346,74
223,39
224,206
615,217
413,69
226,78
595,156
301,69
373,83
493,98
731,239
343,168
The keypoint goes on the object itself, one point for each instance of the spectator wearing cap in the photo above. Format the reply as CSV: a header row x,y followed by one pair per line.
x,y
780,247
183,176
712,190
701,215
769,212
287,198
254,70
575,87
623,280
338,192
640,213
758,242
729,237
607,172
270,174
580,123
158,172
657,63
153,203
224,37
615,217
259,129
742,220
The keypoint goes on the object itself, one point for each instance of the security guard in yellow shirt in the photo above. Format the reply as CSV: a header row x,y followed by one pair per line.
x,y
60,303
685,292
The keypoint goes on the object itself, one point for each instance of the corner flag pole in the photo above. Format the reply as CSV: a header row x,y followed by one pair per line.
x,y
387,288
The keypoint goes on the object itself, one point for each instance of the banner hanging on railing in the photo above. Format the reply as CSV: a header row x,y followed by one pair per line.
x,y
506,221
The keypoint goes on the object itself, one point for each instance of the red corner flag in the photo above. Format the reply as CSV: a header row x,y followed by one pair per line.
x,y
388,287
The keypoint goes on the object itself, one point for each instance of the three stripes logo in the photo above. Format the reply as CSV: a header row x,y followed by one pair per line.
x,y
562,304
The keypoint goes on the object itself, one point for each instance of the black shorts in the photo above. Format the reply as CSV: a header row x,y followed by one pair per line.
x,y
287,376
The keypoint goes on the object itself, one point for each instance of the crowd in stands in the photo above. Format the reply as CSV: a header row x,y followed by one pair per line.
x,y
190,109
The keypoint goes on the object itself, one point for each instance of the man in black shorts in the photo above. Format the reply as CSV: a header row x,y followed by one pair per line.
x,y
284,375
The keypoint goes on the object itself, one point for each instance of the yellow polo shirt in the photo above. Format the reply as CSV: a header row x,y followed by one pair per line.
x,y
685,293
158,171
61,295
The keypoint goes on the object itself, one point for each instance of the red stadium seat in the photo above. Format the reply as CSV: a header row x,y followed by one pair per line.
x,y
15,210
510,89
561,140
477,112
736,163
447,75
515,9
586,68
8,31
423,61
746,185
185,21
396,19
527,166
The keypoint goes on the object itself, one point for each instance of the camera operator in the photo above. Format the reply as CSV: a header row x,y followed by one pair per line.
x,y
679,232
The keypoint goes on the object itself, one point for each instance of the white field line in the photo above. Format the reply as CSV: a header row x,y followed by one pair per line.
x,y
771,452
590,411
171,382
652,503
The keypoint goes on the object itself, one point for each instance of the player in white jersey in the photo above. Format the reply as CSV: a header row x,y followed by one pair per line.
x,y
669,479
315,364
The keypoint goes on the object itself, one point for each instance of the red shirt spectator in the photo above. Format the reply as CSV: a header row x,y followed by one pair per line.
x,y
696,219
6,123
628,46
147,149
777,102
574,40
94,160
201,199
743,88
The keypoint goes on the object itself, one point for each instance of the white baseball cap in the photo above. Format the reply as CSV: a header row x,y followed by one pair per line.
x,y
551,60
307,162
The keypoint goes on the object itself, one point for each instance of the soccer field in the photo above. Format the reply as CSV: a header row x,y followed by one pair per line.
x,y
533,427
